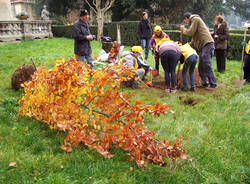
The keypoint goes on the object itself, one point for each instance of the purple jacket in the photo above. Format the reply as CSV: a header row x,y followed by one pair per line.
x,y
153,40
169,45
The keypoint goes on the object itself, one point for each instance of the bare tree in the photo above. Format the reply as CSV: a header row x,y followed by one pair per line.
x,y
100,7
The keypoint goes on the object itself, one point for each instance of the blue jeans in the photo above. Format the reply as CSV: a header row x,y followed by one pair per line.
x,y
88,58
189,64
145,45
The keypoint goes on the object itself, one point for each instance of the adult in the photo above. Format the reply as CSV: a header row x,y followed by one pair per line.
x,y
202,42
220,35
156,38
145,32
247,61
170,54
82,38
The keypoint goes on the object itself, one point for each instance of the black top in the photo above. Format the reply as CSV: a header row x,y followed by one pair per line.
x,y
82,45
145,29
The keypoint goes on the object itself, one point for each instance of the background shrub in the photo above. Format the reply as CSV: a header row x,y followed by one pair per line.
x,y
129,36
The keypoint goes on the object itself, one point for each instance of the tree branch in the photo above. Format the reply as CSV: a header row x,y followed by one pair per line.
x,y
108,5
103,113
91,6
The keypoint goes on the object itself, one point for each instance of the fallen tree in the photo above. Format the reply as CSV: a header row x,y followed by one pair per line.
x,y
88,105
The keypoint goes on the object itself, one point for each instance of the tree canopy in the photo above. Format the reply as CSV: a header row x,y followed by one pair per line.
x,y
170,10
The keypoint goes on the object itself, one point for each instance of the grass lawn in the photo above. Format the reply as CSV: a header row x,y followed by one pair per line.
x,y
216,131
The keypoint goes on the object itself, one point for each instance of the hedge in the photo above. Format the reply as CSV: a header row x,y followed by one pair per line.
x,y
67,31
238,31
129,36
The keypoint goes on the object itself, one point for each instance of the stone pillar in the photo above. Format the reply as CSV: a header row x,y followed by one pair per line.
x,y
5,10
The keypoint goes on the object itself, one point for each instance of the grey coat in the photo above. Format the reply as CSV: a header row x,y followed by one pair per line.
x,y
82,45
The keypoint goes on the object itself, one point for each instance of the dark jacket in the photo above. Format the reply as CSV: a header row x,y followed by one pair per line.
x,y
223,35
82,45
145,29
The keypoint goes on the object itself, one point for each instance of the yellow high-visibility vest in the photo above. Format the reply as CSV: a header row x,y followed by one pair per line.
x,y
247,49
187,50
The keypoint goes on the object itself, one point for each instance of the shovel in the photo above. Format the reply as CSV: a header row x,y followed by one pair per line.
x,y
179,66
241,82
154,72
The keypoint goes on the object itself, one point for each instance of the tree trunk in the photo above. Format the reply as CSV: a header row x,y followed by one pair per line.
x,y
100,19
100,23
100,12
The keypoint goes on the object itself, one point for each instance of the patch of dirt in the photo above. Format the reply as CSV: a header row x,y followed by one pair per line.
x,y
198,81
21,75
161,84
188,100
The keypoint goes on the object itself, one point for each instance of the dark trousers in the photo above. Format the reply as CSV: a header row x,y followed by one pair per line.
x,y
169,60
157,60
247,68
220,60
205,66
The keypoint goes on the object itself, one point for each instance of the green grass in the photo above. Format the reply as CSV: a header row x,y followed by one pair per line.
x,y
215,131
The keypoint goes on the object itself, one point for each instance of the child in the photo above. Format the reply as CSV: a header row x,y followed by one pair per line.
x,y
135,60
156,38
189,58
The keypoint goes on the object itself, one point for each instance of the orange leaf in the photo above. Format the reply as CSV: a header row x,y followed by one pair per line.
x,y
66,148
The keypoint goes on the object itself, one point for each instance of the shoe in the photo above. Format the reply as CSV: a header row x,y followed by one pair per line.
x,y
167,90
203,86
173,90
184,89
213,86
192,89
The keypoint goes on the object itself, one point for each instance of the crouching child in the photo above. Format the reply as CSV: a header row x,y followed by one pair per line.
x,y
189,57
133,59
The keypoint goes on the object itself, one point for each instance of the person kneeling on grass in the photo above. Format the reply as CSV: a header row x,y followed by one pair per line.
x,y
170,54
189,58
134,59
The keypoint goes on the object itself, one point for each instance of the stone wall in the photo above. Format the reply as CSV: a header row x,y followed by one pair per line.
x,y
18,30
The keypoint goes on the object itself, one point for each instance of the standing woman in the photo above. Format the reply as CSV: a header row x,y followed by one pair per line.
x,y
145,32
170,54
220,35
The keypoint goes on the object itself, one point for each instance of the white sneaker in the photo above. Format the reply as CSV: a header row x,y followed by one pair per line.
x,y
173,91
167,90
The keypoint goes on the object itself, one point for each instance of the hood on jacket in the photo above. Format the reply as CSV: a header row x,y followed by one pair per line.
x,y
193,16
125,53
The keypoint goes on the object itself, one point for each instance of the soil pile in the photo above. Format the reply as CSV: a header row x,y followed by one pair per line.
x,y
21,75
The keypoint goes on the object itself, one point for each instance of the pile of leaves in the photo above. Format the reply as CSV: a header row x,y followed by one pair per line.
x,y
88,105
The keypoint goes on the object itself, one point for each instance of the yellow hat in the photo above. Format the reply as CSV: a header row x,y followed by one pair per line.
x,y
157,28
136,49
